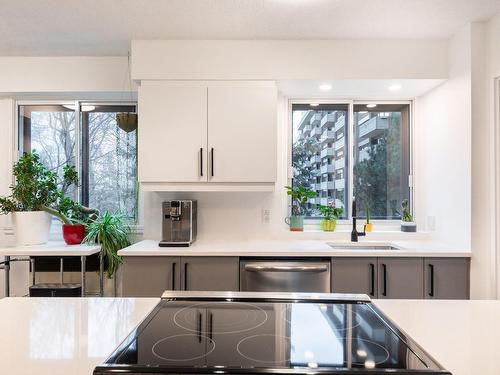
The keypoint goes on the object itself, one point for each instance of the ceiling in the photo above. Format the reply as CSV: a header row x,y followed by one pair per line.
x,y
105,27
356,89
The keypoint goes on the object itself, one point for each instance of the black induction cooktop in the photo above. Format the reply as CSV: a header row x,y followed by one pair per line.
x,y
290,333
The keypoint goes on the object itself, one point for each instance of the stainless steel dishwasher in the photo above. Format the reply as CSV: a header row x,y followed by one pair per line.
x,y
285,276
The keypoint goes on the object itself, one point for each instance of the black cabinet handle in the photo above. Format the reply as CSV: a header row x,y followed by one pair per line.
x,y
185,276
173,276
201,161
431,269
210,325
384,275
372,279
199,326
212,161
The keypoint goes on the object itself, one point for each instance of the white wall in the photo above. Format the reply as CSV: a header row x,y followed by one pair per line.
x,y
289,59
442,149
63,74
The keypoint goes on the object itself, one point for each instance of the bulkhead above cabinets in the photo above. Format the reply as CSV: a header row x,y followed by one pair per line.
x,y
217,136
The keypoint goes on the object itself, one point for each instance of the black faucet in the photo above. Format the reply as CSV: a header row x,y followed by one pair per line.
x,y
355,234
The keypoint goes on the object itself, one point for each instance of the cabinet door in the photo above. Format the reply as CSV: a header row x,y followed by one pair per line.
x,y
172,134
354,275
149,276
242,125
210,273
446,278
400,278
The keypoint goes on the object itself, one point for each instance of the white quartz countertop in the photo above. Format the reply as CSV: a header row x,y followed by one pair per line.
x,y
317,248
461,335
52,336
51,248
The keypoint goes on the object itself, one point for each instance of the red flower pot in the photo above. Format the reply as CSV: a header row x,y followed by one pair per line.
x,y
73,234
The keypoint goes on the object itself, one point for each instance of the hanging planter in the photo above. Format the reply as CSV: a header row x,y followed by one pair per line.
x,y
127,121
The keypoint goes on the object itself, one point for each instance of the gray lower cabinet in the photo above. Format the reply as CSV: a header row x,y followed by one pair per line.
x,y
400,278
210,273
355,275
149,276
446,278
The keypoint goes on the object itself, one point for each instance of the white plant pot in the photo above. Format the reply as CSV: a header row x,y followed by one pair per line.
x,y
31,227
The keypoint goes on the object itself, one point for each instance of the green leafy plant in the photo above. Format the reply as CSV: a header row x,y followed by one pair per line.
x,y
35,188
111,232
367,211
299,196
330,212
407,217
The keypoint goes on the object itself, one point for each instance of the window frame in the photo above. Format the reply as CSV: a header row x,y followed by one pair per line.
x,y
350,138
77,103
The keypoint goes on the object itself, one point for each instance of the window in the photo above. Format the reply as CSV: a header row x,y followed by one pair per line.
x,y
87,135
329,138
380,165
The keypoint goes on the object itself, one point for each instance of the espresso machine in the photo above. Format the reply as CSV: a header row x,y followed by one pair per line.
x,y
178,223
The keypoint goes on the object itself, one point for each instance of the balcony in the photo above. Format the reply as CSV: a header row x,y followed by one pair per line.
x,y
328,119
339,143
374,127
340,184
340,163
340,123
306,130
326,152
316,132
328,185
328,136
315,119
315,159
327,168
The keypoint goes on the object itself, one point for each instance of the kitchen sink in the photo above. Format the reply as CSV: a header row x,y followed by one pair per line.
x,y
361,246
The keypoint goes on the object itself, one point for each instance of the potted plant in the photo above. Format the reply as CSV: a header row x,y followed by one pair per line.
x,y
34,192
299,196
407,223
72,214
111,232
330,215
368,225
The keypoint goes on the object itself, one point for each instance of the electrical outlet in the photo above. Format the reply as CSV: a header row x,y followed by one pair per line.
x,y
266,215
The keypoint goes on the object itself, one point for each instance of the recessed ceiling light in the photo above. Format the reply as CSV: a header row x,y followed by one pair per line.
x,y
371,105
395,87
325,87
314,104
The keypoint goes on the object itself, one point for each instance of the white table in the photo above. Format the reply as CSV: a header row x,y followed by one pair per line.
x,y
53,249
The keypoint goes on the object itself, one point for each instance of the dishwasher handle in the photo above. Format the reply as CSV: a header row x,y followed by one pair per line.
x,y
263,267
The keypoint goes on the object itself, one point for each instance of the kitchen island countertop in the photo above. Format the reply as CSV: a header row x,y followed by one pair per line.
x,y
300,248
55,336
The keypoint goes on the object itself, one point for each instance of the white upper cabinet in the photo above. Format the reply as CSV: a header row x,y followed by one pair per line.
x,y
172,132
207,136
242,132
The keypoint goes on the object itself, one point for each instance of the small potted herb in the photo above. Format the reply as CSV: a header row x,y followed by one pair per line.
x,y
368,225
299,196
330,215
407,223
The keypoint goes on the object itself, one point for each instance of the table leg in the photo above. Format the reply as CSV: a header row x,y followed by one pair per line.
x,y
7,276
61,270
32,262
83,257
101,274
